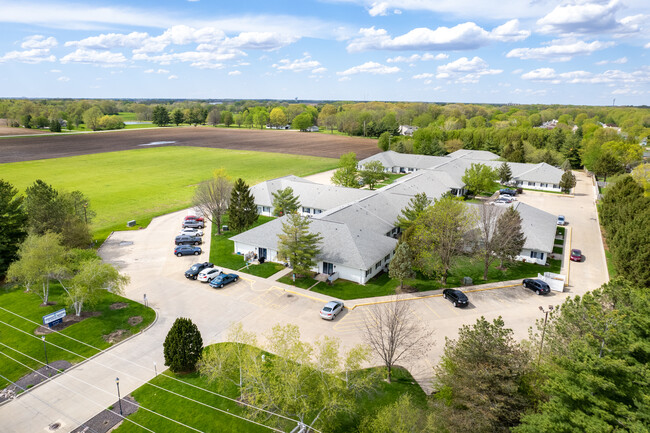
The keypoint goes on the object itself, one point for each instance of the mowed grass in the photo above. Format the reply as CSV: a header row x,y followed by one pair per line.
x,y
144,183
90,330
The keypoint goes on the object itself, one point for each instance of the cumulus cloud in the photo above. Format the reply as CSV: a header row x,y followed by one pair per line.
x,y
620,61
463,36
587,18
298,65
234,73
378,8
260,41
110,40
423,76
465,70
38,42
415,57
559,51
154,71
103,58
198,59
614,76
370,68
36,55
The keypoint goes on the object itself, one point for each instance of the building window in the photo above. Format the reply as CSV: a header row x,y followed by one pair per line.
x,y
387,258
543,185
368,271
317,211
266,209
556,186
378,265
306,210
533,254
541,256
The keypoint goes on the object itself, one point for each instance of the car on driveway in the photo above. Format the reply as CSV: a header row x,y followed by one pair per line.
x,y
502,201
195,224
508,197
186,250
331,309
193,217
456,297
194,270
538,286
223,279
561,220
207,275
188,240
576,255
508,191
191,232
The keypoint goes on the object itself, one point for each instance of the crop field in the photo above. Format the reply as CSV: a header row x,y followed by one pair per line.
x,y
140,184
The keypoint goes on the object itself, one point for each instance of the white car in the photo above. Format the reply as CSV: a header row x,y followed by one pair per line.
x,y
331,309
191,232
206,275
508,196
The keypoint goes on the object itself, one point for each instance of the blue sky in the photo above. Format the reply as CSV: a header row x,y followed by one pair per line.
x,y
473,51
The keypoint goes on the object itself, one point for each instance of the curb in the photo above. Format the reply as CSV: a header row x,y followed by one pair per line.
x,y
74,366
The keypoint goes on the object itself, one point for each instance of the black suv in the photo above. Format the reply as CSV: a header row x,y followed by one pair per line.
x,y
538,286
458,298
188,240
196,268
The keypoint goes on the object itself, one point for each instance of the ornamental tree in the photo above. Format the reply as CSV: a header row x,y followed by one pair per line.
x,y
183,346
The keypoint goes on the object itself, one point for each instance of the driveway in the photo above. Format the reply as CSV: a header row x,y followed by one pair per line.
x,y
146,256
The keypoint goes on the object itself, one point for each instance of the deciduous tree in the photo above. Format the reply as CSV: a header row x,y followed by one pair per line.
x,y
92,276
183,346
402,416
509,237
372,173
487,241
278,117
213,197
12,224
91,118
302,121
284,202
401,267
347,174
479,178
297,244
242,212
607,164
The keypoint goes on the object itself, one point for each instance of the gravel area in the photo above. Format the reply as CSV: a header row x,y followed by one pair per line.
x,y
34,378
107,419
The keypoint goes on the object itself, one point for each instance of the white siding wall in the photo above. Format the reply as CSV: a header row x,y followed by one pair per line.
x,y
240,248
538,186
525,255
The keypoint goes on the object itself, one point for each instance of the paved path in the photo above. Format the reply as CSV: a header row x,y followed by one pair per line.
x,y
259,304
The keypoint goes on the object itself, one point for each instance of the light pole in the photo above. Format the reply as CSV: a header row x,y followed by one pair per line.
x,y
155,369
85,212
119,399
45,350
541,344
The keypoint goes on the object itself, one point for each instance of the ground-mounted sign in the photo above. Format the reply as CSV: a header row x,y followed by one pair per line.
x,y
54,318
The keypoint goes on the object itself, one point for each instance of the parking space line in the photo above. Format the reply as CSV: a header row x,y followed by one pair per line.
x,y
426,304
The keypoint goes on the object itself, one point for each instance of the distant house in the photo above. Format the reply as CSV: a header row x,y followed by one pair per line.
x,y
407,129
312,128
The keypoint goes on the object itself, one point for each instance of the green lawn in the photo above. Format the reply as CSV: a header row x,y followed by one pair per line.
x,y
221,253
89,330
611,269
392,177
127,116
144,183
382,285
558,249
210,420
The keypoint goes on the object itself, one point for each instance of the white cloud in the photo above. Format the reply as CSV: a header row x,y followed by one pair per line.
x,y
320,70
587,18
172,77
370,68
465,70
260,40
56,71
102,58
345,78
620,61
234,73
202,60
440,56
36,55
517,71
639,76
559,51
509,32
298,65
110,40
424,75
378,8
647,46
415,57
463,36
154,71
64,79
39,41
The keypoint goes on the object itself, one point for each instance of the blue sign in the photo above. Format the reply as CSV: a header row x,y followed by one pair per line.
x,y
54,318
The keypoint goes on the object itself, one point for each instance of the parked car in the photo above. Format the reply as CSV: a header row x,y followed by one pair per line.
x,y
331,309
508,196
194,217
186,250
195,224
456,297
538,286
561,220
502,201
194,270
207,275
576,255
508,191
188,240
191,232
223,279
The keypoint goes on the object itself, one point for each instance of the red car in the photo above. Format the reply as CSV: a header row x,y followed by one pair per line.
x,y
576,255
193,218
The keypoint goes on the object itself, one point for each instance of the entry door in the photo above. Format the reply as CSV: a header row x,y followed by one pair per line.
x,y
328,268
261,253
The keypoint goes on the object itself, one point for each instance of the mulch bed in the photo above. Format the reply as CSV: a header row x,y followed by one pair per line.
x,y
35,378
116,336
118,305
67,321
107,419
292,142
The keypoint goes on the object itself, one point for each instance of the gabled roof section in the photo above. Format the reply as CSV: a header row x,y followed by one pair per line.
x,y
480,155
538,226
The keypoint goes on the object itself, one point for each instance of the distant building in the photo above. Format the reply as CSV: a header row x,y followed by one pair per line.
x,y
407,129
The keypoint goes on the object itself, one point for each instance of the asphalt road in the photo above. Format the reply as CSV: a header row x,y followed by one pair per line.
x,y
259,304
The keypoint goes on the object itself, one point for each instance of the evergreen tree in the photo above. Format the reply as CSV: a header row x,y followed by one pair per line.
x,y
284,202
297,244
160,116
177,116
242,212
567,182
566,165
417,204
43,210
183,346
55,126
401,267
384,141
12,224
631,245
505,174
509,236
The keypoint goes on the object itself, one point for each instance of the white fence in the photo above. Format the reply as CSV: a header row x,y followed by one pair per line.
x,y
554,281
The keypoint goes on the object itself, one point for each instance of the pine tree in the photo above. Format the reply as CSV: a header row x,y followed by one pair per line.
x,y
416,206
183,346
567,182
12,224
505,174
160,115
401,267
297,245
284,202
242,212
